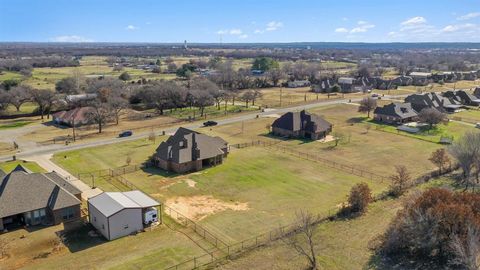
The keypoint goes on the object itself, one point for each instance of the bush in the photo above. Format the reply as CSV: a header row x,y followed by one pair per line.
x,y
359,198
433,227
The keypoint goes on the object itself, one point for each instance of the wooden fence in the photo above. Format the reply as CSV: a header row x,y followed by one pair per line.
x,y
348,168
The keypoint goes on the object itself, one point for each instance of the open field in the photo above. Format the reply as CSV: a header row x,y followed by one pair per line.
x,y
268,187
155,249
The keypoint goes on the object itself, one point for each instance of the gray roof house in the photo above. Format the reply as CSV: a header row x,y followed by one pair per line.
x,y
118,214
301,125
463,97
36,198
395,113
188,150
433,100
298,83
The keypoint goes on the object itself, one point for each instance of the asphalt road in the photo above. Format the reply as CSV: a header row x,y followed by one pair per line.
x,y
54,148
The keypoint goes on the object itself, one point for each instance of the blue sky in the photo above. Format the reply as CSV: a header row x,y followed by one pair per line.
x,y
240,20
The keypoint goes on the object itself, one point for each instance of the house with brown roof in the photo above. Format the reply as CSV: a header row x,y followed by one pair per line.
x,y
77,117
188,150
28,199
301,125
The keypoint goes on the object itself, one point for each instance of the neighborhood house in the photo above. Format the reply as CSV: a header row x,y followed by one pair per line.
x,y
301,125
395,113
77,117
118,214
30,199
433,100
188,150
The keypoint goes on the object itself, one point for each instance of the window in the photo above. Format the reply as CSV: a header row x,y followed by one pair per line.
x,y
125,226
103,226
94,219
68,213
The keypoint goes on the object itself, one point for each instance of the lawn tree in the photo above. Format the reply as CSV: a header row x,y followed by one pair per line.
x,y
256,94
359,198
4,100
202,99
117,104
100,114
44,99
363,71
431,116
400,181
466,151
338,137
18,95
128,160
440,158
125,76
367,105
68,86
302,240
248,96
152,137
275,76
264,64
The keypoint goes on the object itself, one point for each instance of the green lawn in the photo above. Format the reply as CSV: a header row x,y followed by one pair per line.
x,y
209,112
10,165
9,75
15,124
156,249
107,156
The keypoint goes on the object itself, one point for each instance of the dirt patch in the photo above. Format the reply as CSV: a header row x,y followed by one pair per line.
x,y
199,207
328,138
190,183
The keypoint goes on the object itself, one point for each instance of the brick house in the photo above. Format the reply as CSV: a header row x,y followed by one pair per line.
x,y
395,113
188,150
30,199
301,125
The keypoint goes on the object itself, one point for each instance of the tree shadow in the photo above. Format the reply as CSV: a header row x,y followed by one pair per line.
x,y
51,123
157,171
357,120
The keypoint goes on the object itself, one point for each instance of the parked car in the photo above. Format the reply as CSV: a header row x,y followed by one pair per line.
x,y
209,123
477,125
375,95
127,133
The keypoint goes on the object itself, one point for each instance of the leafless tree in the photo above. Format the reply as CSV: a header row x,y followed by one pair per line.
x,y
152,137
302,240
338,137
202,99
466,151
100,114
44,99
118,105
431,116
400,180
467,250
18,95
248,96
440,158
367,105
275,76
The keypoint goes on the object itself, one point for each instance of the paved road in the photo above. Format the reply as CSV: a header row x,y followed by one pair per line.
x,y
54,148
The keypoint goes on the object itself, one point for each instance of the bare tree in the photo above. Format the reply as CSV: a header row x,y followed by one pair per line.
x,y
467,249
44,99
117,105
100,114
302,240
151,136
202,99
275,76
431,116
400,180
18,95
367,105
338,137
248,96
440,158
466,151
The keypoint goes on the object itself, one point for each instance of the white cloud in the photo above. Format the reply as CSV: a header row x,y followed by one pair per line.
x,y
71,38
258,31
131,27
469,16
244,36
458,27
273,25
414,21
235,32
362,27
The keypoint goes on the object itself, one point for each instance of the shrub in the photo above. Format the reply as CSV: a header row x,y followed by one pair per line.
x,y
359,198
434,227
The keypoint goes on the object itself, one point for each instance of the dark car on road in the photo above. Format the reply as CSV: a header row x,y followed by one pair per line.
x,y
209,123
127,133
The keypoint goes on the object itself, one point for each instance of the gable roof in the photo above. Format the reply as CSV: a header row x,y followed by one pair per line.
x,y
296,121
187,145
21,192
60,181
79,115
401,110
2,174
109,203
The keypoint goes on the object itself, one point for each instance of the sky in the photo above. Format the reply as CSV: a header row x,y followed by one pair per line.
x,y
240,21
